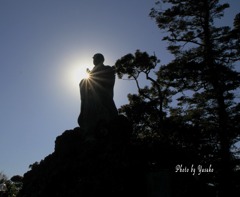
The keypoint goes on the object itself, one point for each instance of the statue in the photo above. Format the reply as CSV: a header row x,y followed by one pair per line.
x,y
97,104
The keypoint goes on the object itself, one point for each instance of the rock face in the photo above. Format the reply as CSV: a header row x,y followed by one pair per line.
x,y
102,166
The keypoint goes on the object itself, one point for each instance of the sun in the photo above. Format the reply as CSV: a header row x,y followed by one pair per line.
x,y
82,72
87,74
74,70
78,70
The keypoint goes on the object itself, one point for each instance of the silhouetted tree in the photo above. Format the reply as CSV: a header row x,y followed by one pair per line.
x,y
10,188
204,58
146,108
201,80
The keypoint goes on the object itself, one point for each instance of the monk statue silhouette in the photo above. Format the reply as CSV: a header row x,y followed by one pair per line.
x,y
97,104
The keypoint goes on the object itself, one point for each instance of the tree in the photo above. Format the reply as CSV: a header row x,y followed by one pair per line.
x,y
203,64
148,107
201,77
9,188
3,177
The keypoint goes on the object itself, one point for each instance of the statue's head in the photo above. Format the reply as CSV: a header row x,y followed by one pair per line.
x,y
98,58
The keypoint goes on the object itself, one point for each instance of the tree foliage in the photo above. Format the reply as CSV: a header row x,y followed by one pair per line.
x,y
197,90
10,188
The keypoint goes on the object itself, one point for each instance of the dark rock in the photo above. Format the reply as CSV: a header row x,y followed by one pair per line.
x,y
102,166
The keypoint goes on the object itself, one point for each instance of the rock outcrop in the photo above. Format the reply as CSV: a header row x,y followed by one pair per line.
x,y
102,166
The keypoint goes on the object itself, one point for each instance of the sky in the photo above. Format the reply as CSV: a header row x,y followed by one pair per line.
x,y
45,48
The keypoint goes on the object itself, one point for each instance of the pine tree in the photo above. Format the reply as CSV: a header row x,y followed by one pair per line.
x,y
203,71
147,109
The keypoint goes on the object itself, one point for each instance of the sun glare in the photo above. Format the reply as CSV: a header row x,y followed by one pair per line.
x,y
87,74
74,70
78,70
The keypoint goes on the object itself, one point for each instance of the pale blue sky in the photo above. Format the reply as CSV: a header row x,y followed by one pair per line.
x,y
44,44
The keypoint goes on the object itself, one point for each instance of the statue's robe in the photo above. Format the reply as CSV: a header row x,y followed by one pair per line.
x,y
97,104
